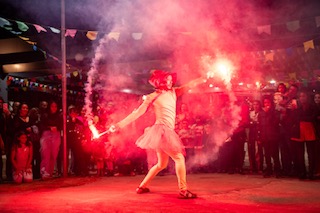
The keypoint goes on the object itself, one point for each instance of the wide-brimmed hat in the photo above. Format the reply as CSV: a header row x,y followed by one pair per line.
x,y
158,78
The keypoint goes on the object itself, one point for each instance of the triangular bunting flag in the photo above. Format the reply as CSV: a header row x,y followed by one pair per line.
x,y
39,28
15,32
293,25
22,26
292,76
24,38
264,29
308,45
92,35
54,30
318,21
114,35
269,56
5,24
136,36
71,33
75,73
31,42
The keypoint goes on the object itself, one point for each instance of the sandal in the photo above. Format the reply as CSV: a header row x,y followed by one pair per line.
x,y
141,190
186,194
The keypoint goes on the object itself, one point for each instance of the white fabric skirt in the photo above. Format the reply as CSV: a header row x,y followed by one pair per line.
x,y
160,137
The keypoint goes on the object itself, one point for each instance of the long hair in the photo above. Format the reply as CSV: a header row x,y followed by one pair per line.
x,y
16,139
49,107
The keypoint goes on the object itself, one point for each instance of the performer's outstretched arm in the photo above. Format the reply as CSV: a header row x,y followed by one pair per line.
x,y
193,83
137,112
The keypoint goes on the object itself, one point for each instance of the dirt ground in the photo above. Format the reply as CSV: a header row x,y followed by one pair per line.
x,y
217,193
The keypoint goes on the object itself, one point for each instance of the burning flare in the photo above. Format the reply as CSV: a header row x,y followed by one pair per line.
x,y
94,131
220,68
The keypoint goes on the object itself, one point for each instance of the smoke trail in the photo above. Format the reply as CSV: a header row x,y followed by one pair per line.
x,y
183,29
92,78
227,116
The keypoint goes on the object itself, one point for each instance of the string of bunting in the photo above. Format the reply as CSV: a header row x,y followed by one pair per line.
x,y
32,85
292,26
266,55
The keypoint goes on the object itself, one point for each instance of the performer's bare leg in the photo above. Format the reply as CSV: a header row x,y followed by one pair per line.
x,y
163,160
180,166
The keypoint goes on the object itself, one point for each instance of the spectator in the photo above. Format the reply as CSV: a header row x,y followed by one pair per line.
x,y
268,135
279,96
20,122
43,107
34,119
21,158
303,134
236,145
255,150
75,136
51,125
288,159
317,125
10,138
3,127
197,129
183,114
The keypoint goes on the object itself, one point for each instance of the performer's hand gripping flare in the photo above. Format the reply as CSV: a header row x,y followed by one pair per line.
x,y
161,137
96,135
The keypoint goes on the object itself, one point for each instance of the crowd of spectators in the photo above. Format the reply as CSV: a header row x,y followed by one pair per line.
x,y
273,132
278,132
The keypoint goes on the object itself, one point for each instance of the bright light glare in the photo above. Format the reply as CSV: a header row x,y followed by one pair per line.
x,y
272,82
126,90
220,69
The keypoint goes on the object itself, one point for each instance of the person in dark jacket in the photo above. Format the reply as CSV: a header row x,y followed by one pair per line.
x,y
268,135
75,137
255,150
316,99
303,134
